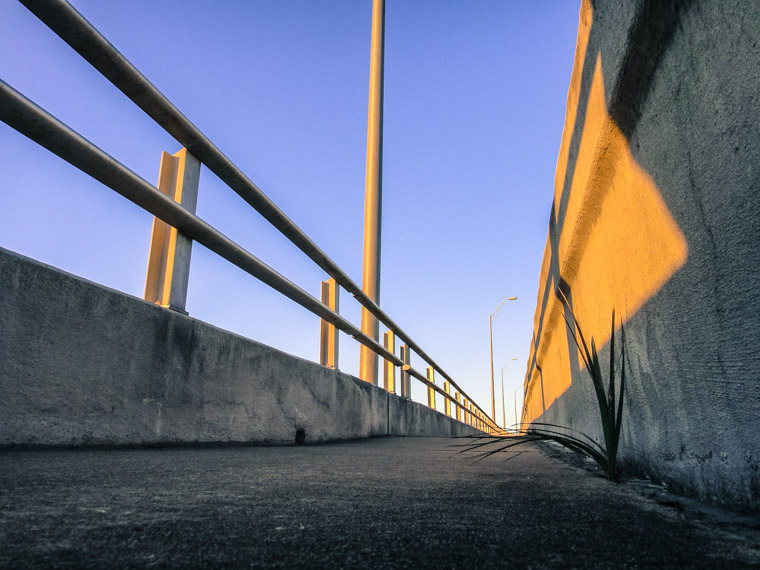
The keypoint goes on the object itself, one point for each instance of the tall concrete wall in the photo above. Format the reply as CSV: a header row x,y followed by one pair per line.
x,y
657,215
83,364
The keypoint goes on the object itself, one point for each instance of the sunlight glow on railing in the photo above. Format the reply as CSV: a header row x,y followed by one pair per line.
x,y
38,125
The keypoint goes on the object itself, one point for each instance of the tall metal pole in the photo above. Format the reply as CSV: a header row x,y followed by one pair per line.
x,y
517,422
503,411
490,342
373,191
503,407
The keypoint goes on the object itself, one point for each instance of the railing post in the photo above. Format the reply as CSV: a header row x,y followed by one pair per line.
x,y
328,334
169,256
389,369
447,402
459,410
431,392
406,378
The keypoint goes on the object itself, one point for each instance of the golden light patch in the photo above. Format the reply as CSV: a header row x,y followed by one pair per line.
x,y
619,242
618,246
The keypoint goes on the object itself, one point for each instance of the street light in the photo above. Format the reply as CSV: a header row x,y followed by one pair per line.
x,y
503,410
490,340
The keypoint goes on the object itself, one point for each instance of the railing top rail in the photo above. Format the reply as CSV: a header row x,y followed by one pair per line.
x,y
89,43
40,126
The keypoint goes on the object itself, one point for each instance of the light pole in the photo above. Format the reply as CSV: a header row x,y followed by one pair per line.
x,y
373,192
516,420
516,406
490,340
503,410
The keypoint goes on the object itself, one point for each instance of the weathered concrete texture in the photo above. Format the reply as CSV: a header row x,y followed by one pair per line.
x,y
681,82
83,364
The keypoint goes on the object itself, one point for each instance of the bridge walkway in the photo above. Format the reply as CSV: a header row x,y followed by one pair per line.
x,y
379,503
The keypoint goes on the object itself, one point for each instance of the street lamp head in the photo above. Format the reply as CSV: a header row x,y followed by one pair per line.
x,y
500,306
490,340
507,364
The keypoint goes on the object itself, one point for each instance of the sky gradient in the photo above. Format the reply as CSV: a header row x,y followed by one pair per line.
x,y
474,107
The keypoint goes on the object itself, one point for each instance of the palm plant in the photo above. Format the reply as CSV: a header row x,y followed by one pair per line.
x,y
610,403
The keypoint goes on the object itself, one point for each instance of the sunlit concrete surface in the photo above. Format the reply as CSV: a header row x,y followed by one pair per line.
x,y
655,217
380,503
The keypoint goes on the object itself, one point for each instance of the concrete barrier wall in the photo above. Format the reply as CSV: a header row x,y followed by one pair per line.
x,y
81,364
656,215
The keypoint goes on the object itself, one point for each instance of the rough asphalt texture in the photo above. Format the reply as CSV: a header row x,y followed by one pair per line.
x,y
381,503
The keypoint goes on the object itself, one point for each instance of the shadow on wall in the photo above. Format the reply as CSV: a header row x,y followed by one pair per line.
x,y
655,216
612,241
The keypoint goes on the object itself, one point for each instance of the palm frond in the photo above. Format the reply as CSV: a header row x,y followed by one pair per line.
x,y
609,400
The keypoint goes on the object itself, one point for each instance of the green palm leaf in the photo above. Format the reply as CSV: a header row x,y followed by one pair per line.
x,y
609,400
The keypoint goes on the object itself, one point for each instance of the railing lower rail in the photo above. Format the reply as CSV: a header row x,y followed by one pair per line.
x,y
29,119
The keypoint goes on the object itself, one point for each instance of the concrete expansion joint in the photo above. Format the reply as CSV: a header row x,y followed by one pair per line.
x,y
388,413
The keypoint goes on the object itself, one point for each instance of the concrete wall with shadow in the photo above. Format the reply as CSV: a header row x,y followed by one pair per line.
x,y
81,364
656,215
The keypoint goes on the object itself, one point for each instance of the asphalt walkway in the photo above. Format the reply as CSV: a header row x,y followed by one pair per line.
x,y
382,503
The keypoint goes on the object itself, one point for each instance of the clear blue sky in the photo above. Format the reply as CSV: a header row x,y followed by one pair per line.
x,y
474,107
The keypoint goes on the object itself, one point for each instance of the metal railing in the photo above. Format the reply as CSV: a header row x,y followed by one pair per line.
x,y
40,126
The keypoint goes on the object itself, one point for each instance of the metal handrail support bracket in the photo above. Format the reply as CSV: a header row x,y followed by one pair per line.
x,y
389,369
406,379
406,369
431,391
168,271
328,334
